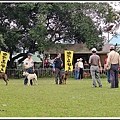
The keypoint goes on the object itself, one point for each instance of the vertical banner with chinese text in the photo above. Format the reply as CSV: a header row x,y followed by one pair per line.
x,y
4,56
68,60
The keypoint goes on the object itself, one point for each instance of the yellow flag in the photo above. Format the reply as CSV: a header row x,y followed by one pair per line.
x,y
4,56
68,60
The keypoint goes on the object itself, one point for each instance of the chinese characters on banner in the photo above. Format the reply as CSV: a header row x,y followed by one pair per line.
x,y
68,60
4,56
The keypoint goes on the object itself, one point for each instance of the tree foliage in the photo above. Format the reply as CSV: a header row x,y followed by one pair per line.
x,y
40,26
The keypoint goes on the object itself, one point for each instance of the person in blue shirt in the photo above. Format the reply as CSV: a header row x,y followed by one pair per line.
x,y
76,70
57,68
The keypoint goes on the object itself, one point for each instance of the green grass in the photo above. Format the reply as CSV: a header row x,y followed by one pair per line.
x,y
75,99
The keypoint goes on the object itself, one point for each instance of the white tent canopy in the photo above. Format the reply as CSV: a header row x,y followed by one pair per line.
x,y
34,57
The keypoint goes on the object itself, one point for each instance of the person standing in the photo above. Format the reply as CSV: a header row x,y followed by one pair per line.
x,y
95,68
86,65
29,67
80,67
113,63
57,68
46,63
107,72
76,70
51,62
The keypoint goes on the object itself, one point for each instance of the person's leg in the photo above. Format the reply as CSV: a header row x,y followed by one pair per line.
x,y
75,74
81,73
113,76
108,75
98,76
116,79
112,79
25,80
56,75
92,71
116,76
60,77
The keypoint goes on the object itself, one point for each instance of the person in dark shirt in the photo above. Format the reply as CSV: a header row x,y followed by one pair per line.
x,y
57,68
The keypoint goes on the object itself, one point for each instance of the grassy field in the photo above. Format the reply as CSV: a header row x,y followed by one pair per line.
x,y
75,99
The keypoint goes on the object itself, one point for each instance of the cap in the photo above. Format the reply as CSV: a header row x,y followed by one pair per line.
x,y
94,49
29,54
112,47
80,59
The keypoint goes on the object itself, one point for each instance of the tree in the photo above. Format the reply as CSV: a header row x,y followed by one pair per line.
x,y
47,24
16,21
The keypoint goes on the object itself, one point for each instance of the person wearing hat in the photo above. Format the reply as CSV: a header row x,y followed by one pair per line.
x,y
95,68
28,66
113,63
81,67
76,70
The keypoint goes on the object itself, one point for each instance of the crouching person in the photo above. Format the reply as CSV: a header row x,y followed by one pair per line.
x,y
29,67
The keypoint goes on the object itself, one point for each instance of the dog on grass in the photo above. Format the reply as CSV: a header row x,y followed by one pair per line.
x,y
4,77
32,77
64,77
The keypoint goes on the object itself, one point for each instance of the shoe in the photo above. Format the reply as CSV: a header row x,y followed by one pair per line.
x,y
60,83
108,81
100,86
94,86
112,87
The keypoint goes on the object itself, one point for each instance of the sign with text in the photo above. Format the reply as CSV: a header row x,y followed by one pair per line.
x,y
68,60
4,56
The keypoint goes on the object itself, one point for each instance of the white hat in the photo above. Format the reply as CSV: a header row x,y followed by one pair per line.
x,y
112,47
80,59
94,49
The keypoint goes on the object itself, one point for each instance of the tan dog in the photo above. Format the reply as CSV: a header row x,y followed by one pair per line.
x,y
64,77
5,77
32,77
86,74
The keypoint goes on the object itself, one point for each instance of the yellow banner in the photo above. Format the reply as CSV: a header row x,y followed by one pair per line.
x,y
4,56
68,60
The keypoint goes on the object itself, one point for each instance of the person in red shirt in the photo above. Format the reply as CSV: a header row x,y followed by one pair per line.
x,y
46,63
107,72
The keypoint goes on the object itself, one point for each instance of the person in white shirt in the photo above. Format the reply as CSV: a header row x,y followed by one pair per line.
x,y
29,67
81,67
51,62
